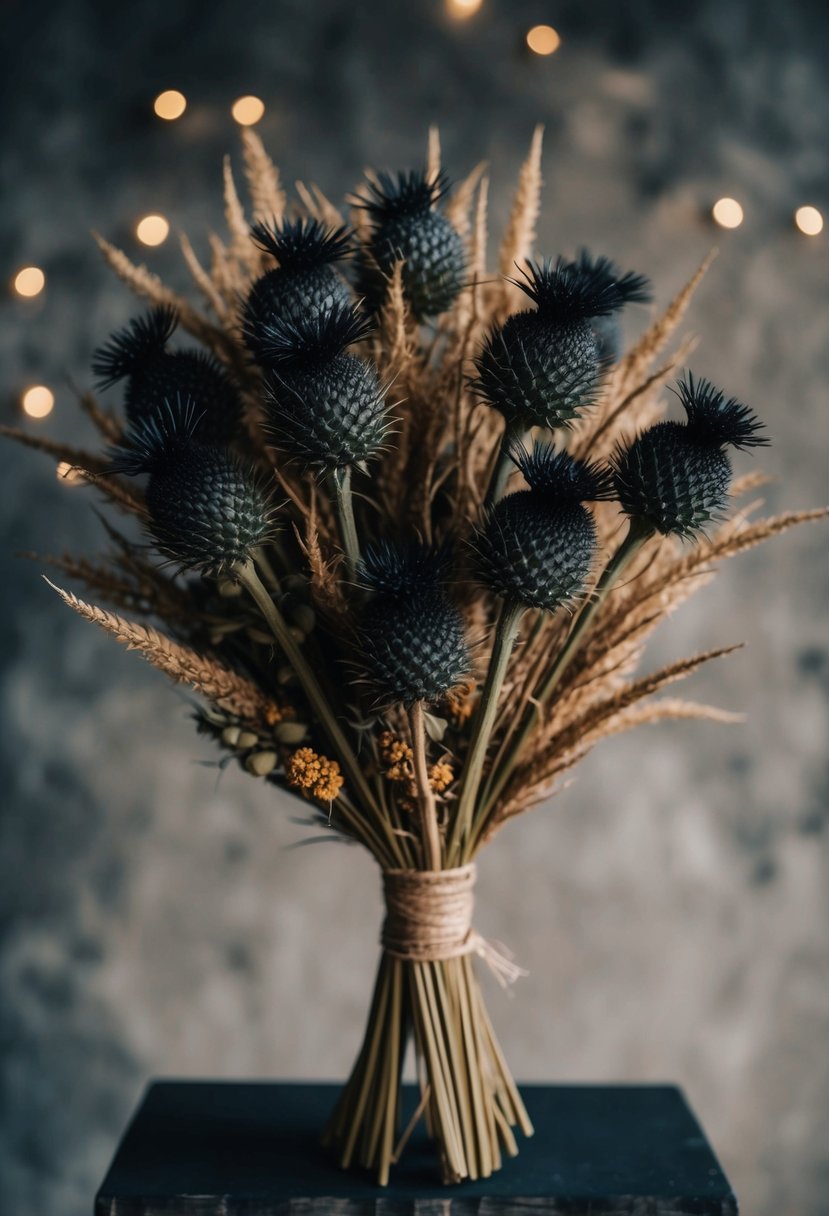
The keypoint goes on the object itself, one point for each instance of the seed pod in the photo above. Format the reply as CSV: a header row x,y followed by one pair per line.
x,y
259,764
675,476
410,635
155,375
290,733
406,226
536,546
303,285
325,407
542,367
206,510
599,273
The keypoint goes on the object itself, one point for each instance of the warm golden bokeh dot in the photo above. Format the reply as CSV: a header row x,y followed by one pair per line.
x,y
543,40
170,104
152,230
37,401
248,110
29,281
727,212
463,8
68,474
809,221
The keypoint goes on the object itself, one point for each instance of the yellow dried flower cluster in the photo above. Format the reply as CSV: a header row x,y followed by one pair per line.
x,y
441,775
396,757
460,702
317,776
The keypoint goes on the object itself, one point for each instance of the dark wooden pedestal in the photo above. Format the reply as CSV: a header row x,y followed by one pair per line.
x,y
213,1148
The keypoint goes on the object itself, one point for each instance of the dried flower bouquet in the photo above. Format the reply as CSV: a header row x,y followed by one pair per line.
x,y
416,522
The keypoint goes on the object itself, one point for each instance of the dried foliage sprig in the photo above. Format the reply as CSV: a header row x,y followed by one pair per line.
x,y
385,509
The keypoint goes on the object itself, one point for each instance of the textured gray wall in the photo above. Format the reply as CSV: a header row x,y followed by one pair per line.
x,y
672,905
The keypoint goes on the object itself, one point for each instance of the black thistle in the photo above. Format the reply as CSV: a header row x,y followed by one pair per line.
x,y
407,226
303,284
543,366
206,510
410,635
600,272
325,407
138,353
675,476
536,546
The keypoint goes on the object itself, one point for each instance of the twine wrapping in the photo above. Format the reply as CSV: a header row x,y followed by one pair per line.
x,y
429,919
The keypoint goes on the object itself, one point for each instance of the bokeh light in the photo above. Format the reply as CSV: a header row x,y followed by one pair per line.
x,y
170,104
37,401
248,110
543,39
727,212
463,8
152,230
29,281
809,220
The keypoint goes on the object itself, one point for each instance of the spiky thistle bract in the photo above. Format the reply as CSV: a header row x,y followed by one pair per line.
x,y
305,282
536,547
139,353
407,227
632,287
675,475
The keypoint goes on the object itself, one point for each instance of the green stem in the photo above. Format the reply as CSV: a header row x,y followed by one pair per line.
x,y
506,631
638,532
425,793
516,432
246,573
341,481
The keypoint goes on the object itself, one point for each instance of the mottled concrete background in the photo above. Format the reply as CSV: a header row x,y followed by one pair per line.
x,y
672,906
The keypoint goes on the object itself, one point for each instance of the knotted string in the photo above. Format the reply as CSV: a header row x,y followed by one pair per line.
x,y
429,919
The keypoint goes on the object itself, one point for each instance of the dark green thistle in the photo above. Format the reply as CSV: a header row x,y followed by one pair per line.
x,y
410,635
601,272
537,546
304,283
675,476
407,226
207,511
543,365
325,407
138,354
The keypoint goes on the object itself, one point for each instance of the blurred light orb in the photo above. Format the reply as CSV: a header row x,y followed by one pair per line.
x,y
809,221
727,212
38,401
152,230
67,473
463,8
543,40
29,281
170,104
248,110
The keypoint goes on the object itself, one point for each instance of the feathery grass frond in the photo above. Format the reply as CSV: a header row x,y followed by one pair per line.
x,y
266,193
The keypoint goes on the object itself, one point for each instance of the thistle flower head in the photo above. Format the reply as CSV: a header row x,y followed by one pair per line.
x,y
410,635
716,420
305,282
303,244
407,227
675,476
206,509
315,337
537,546
563,293
142,340
393,570
559,477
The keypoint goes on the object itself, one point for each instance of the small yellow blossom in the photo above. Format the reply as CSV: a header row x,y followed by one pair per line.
x,y
460,702
396,757
315,775
441,775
